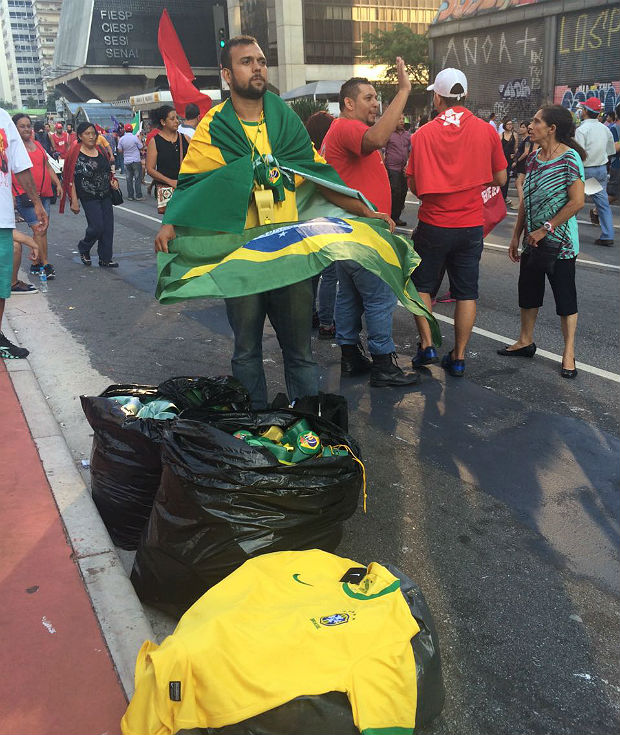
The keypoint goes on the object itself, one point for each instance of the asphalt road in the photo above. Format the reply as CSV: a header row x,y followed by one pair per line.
x,y
497,493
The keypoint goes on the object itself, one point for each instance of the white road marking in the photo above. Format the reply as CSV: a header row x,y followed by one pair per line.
x,y
543,353
580,260
139,214
579,221
514,214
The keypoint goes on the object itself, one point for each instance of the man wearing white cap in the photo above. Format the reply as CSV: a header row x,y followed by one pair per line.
x,y
598,142
452,158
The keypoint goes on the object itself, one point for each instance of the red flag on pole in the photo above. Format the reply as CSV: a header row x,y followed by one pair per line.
x,y
178,70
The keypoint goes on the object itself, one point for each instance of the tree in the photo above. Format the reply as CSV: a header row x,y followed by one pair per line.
x,y
306,106
51,100
6,105
383,47
31,103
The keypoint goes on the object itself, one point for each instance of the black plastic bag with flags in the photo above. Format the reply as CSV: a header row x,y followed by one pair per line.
x,y
125,464
222,502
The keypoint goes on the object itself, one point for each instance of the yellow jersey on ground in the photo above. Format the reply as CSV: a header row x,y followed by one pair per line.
x,y
281,626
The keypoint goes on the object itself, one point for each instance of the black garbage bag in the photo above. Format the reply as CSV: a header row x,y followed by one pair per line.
x,y
222,502
330,713
125,465
221,392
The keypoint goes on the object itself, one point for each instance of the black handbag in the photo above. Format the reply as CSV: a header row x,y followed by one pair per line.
x,y
116,196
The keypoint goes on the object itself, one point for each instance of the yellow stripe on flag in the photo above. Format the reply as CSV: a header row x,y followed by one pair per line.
x,y
362,234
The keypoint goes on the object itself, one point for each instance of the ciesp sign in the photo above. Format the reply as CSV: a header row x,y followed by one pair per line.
x,y
117,27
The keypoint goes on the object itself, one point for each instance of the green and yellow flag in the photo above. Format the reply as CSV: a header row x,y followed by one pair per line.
x,y
213,255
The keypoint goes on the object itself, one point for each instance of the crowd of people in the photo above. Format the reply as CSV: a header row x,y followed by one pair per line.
x,y
382,158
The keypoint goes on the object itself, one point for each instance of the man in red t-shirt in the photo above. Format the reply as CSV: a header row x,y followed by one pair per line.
x,y
60,140
351,146
452,159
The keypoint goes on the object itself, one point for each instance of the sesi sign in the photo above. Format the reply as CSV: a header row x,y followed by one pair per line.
x,y
124,32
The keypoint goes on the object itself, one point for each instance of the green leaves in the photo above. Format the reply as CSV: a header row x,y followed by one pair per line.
x,y
383,47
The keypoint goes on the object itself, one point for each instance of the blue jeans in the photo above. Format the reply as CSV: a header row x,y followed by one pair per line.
x,y
602,202
327,295
100,217
290,312
134,175
361,292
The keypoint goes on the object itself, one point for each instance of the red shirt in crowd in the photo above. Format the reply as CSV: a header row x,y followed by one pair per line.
x,y
452,158
40,173
61,143
342,149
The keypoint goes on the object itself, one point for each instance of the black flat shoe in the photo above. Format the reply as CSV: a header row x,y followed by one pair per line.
x,y
85,259
527,351
566,373
108,264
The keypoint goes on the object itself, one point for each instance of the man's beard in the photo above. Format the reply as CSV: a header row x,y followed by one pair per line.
x,y
249,92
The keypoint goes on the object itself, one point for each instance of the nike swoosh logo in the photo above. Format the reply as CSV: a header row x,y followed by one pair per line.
x,y
296,578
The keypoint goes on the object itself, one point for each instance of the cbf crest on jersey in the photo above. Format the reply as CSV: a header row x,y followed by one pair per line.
x,y
335,619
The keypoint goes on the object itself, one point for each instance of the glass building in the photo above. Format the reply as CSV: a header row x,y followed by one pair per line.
x,y
23,73
329,34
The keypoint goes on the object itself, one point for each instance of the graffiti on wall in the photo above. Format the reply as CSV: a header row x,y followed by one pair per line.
x,y
587,45
521,49
455,9
571,96
503,65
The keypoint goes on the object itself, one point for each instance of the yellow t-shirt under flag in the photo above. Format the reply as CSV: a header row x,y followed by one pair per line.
x,y
204,156
281,626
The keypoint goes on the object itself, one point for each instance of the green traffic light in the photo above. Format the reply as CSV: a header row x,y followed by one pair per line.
x,y
222,44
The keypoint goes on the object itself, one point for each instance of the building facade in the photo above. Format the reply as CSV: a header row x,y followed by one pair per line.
x,y
520,54
322,40
107,49
20,69
46,20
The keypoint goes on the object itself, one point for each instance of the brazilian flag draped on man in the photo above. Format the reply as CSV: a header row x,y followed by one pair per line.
x,y
213,255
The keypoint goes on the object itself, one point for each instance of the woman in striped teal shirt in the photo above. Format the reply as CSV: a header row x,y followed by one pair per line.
x,y
553,193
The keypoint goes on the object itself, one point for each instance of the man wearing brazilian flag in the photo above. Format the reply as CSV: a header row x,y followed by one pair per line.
x,y
256,214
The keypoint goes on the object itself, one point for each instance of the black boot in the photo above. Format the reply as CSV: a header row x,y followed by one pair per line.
x,y
385,372
353,360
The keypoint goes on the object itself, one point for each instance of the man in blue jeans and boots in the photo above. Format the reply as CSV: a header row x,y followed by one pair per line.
x,y
598,142
351,146
452,158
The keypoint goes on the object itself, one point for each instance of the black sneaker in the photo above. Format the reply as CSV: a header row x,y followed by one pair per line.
x,y
49,271
386,372
108,264
9,351
353,360
85,258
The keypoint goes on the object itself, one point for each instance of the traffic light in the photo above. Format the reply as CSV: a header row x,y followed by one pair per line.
x,y
221,37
